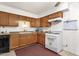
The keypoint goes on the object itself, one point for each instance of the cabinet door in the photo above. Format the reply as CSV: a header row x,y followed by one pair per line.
x,y
13,20
26,39
41,38
32,38
14,41
35,22
24,18
4,19
23,39
44,22
56,15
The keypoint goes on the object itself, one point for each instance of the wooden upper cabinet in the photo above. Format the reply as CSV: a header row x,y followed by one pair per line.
x,y
35,22
55,15
4,19
24,18
13,20
38,22
7,19
44,22
61,14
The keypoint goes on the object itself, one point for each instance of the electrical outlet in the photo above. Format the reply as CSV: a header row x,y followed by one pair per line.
x,y
65,45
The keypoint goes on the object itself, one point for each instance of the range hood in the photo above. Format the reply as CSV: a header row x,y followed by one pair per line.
x,y
56,20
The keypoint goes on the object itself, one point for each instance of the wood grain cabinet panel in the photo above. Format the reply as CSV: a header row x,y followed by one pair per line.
x,y
24,18
13,20
23,38
41,38
56,15
35,22
32,38
44,22
4,19
14,41
28,38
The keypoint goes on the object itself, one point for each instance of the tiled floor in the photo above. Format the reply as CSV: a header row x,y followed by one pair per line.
x,y
66,53
35,50
11,53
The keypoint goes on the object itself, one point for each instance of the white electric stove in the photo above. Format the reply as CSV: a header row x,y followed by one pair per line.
x,y
53,41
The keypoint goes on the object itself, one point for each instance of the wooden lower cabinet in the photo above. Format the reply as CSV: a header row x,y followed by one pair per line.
x,y
17,40
41,38
26,39
23,39
32,38
14,41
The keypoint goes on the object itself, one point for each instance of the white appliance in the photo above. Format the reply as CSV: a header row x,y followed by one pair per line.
x,y
53,41
56,24
56,19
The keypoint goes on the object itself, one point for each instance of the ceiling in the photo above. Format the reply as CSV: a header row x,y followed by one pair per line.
x,y
33,7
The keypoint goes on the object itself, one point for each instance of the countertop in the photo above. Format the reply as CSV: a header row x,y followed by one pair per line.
x,y
21,32
4,34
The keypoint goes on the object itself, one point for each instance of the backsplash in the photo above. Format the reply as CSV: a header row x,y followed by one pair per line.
x,y
22,26
46,29
15,29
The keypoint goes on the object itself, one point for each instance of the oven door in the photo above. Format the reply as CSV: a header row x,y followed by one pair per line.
x,y
1,43
51,41
4,44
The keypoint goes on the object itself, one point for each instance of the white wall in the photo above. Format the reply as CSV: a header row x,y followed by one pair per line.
x,y
70,37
